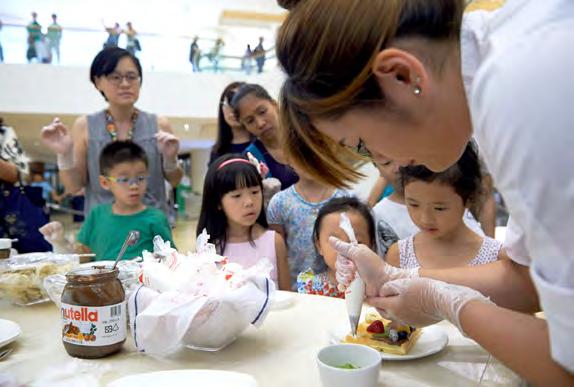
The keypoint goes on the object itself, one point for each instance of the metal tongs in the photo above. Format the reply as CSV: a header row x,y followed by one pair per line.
x,y
355,293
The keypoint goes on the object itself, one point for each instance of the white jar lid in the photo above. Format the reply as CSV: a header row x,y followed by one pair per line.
x,y
5,243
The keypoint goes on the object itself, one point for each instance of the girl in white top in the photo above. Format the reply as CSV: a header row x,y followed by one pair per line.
x,y
436,204
393,83
391,215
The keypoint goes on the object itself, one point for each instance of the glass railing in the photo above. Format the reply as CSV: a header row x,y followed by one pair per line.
x,y
158,52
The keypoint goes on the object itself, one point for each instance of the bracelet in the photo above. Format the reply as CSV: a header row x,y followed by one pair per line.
x,y
170,166
65,161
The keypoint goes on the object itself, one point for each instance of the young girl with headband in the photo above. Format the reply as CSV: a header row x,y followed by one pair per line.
x,y
233,214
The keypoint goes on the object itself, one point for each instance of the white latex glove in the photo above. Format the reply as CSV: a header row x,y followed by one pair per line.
x,y
372,268
53,232
57,137
168,145
424,301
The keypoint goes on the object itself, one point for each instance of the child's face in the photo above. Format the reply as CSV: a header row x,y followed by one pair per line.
x,y
435,208
127,182
330,227
242,206
388,169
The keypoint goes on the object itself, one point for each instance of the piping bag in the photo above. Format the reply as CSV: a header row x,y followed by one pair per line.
x,y
355,293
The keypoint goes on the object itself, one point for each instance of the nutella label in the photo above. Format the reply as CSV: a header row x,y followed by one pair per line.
x,y
94,326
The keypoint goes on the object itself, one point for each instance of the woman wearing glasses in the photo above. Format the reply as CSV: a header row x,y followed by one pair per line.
x,y
117,75
412,80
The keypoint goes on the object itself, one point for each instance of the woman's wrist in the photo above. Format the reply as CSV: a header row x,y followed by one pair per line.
x,y
65,160
170,165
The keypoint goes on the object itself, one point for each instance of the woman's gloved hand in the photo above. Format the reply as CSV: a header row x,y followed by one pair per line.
x,y
372,268
424,301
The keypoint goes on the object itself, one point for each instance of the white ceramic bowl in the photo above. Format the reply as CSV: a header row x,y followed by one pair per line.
x,y
366,359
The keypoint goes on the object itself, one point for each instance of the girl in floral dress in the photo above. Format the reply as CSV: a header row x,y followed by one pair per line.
x,y
320,278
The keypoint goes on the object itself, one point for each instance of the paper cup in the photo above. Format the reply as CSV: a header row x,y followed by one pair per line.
x,y
333,359
5,246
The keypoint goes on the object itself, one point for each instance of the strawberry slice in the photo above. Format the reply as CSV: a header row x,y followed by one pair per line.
x,y
376,326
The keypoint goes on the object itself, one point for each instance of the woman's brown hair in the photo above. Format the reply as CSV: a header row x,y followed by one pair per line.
x,y
327,48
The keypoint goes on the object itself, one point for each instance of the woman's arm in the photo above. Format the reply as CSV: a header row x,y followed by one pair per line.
x,y
8,172
74,179
518,340
172,171
377,191
506,282
283,274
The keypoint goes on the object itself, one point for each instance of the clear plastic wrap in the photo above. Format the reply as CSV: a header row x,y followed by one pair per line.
x,y
197,300
22,276
128,275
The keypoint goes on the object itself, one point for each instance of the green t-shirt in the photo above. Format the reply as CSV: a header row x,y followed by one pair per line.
x,y
104,232
54,32
34,31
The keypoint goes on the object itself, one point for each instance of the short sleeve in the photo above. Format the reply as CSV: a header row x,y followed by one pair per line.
x,y
87,230
274,210
522,118
515,244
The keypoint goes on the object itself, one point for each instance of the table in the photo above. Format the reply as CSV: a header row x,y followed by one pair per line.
x,y
280,353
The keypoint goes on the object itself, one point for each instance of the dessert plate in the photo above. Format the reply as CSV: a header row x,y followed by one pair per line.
x,y
9,331
433,339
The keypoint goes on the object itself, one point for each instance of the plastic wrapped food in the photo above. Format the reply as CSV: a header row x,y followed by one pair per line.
x,y
198,300
22,276
128,275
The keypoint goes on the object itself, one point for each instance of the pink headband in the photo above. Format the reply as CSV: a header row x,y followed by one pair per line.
x,y
231,161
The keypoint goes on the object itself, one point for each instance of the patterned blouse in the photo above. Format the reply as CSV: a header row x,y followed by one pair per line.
x,y
310,283
487,253
10,149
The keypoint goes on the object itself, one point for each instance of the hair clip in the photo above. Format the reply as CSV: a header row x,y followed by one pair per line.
x,y
261,167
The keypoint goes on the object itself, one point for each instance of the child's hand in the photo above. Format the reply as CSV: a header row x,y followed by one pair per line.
x,y
372,268
423,301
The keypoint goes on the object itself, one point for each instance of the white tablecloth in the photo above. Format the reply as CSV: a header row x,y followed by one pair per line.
x,y
281,353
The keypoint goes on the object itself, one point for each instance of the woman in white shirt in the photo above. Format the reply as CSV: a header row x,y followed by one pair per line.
x,y
394,83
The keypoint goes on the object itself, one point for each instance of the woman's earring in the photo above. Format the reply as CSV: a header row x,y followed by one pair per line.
x,y
417,90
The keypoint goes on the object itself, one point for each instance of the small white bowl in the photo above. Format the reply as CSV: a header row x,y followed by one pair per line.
x,y
331,358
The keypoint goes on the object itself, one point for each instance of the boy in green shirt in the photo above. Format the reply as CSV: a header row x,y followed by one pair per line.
x,y
124,169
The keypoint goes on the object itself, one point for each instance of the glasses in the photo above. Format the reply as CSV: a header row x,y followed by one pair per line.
x,y
116,78
127,181
360,149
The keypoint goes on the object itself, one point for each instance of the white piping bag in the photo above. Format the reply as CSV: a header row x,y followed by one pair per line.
x,y
355,293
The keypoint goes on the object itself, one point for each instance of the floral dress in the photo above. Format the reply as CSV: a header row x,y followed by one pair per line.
x,y
310,283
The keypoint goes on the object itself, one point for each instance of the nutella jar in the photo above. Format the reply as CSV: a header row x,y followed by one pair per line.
x,y
93,312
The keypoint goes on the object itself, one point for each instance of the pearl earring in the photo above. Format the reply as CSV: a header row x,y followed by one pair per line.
x,y
417,90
